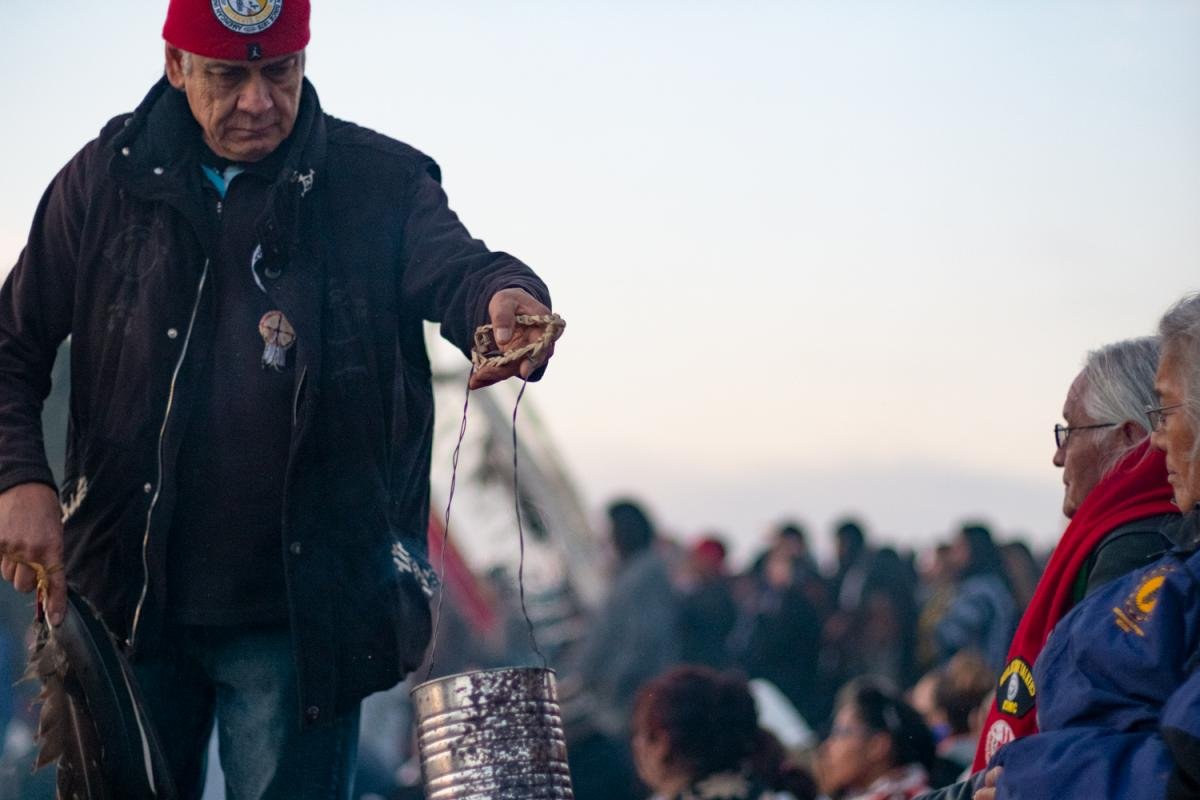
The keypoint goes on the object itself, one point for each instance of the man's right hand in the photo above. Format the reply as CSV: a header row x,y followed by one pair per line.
x,y
31,533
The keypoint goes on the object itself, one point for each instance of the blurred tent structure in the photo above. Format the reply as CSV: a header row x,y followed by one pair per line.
x,y
563,559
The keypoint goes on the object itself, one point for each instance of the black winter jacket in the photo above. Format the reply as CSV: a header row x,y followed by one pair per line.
x,y
359,246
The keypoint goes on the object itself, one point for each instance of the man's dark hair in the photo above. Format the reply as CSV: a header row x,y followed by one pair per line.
x,y
851,532
984,556
632,530
853,541
792,530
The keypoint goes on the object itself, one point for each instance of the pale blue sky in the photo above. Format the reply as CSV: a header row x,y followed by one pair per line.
x,y
813,256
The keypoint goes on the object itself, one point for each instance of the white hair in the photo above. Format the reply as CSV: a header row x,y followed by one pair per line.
x,y
1120,386
1179,330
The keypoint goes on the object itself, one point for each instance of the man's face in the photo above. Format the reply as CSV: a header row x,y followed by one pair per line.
x,y
1082,456
1175,435
245,108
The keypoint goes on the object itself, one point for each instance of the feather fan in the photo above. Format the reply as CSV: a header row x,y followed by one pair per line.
x,y
92,723
66,731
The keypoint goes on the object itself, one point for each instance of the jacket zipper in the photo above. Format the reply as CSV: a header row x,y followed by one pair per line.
x,y
162,432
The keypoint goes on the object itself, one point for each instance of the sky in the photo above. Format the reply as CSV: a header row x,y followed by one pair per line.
x,y
814,257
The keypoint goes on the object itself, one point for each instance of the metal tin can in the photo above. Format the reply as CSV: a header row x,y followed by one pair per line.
x,y
492,735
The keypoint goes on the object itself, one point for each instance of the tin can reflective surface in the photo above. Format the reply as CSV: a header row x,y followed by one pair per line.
x,y
492,735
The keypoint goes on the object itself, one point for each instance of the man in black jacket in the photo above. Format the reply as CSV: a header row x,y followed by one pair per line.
x,y
244,279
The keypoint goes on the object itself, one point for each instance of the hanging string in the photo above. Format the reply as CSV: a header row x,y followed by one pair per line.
x,y
437,617
521,529
487,354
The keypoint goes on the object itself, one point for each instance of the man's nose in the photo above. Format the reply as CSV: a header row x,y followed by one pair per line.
x,y
255,97
1060,457
1157,440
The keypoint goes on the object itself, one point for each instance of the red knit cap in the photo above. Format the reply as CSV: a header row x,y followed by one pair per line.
x,y
237,30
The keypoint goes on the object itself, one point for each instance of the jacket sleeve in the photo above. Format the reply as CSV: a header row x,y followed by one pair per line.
x,y
1084,762
36,308
449,276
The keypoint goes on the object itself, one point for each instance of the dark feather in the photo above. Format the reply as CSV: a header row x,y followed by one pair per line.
x,y
66,732
79,772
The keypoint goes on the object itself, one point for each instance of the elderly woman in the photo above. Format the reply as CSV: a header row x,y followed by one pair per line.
x,y
1116,495
1118,681
878,749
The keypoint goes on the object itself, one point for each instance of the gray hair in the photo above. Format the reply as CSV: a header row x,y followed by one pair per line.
x,y
1179,330
1120,385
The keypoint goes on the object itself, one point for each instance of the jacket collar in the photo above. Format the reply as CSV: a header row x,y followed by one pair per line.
x,y
155,157
1187,533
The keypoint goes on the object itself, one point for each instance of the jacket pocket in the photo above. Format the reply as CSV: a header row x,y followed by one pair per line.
x,y
415,583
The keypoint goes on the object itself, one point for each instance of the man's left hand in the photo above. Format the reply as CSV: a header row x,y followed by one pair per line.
x,y
503,309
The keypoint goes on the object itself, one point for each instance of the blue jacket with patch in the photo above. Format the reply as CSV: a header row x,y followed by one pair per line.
x,y
1118,690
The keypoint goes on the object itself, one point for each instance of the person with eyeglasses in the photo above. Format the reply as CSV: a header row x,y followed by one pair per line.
x,y
879,747
1118,681
1116,495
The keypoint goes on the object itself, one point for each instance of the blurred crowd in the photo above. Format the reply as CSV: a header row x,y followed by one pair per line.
x,y
971,671
907,645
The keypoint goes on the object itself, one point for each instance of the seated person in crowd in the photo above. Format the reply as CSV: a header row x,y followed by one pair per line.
x,y
878,749
949,699
696,737
1115,493
1117,682
1120,506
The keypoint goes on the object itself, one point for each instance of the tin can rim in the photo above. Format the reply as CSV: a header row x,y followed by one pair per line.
x,y
470,672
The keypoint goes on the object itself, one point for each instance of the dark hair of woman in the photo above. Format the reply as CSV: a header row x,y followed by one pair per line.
x,y
708,717
769,763
985,558
883,712
632,530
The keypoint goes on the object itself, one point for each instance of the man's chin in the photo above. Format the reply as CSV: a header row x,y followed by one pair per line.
x,y
250,154
1069,509
248,150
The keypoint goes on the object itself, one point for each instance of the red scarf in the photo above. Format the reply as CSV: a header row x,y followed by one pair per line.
x,y
1136,489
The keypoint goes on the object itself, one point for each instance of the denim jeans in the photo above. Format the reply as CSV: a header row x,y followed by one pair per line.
x,y
245,679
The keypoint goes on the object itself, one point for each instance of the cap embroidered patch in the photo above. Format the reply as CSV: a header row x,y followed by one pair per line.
x,y
247,16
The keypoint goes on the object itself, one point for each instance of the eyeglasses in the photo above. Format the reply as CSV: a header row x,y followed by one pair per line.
x,y
1157,414
1063,432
